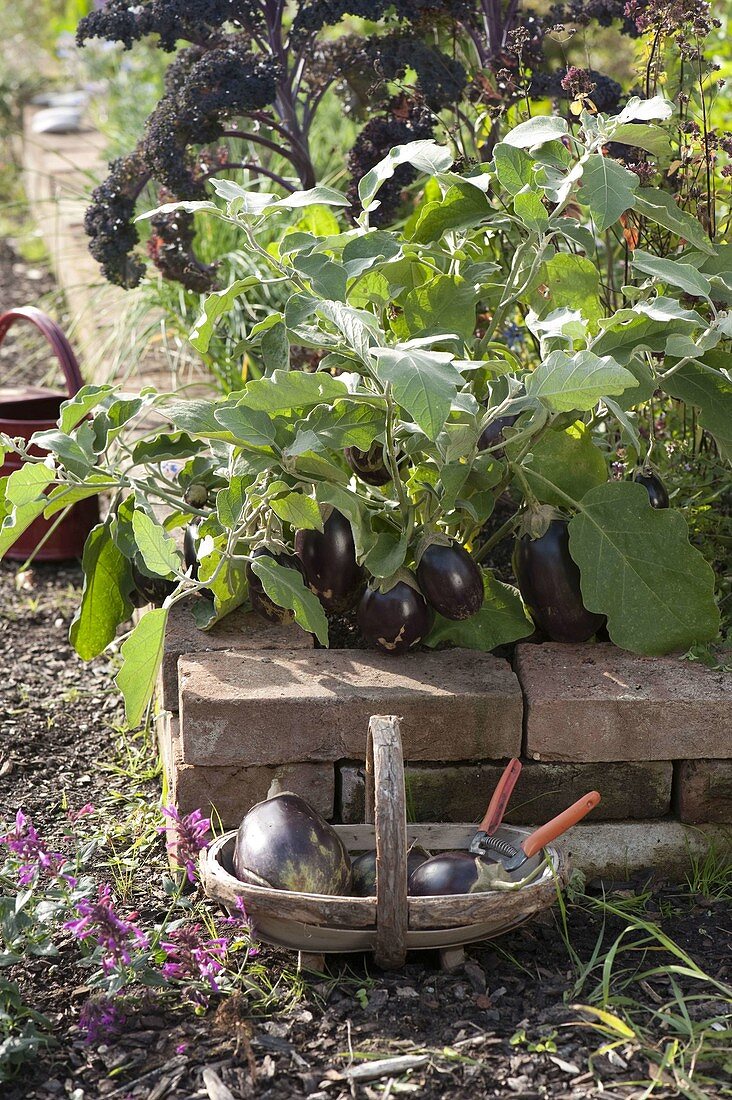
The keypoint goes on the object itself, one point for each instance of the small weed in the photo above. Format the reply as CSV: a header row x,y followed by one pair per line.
x,y
544,1045
711,873
645,995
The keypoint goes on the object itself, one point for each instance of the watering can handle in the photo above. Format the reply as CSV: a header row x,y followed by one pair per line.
x,y
59,344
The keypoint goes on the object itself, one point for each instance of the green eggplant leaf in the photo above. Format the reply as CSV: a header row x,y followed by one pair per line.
x,y
536,131
104,602
502,619
711,392
142,655
157,548
252,427
24,501
74,410
661,207
275,348
347,424
231,501
673,273
463,206
444,305
608,189
569,459
287,588
638,567
425,155
214,307
286,390
573,282
229,588
300,511
566,382
386,555
513,167
423,382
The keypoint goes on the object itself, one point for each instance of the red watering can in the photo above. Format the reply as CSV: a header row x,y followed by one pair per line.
x,y
30,409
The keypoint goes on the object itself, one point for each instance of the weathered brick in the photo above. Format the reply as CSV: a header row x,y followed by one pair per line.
x,y
704,791
245,708
241,630
229,792
461,792
619,849
597,702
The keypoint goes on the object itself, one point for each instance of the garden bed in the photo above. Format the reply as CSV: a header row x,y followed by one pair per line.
x,y
504,1017
242,707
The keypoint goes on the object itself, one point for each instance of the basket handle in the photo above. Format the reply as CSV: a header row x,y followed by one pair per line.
x,y
56,338
386,808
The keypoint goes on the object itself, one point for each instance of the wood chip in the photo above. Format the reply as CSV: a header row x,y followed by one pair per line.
x,y
566,1067
386,1067
215,1087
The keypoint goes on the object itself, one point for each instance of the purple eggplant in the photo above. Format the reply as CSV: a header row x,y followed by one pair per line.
x,y
451,581
549,582
369,465
493,434
396,620
286,844
363,870
651,482
329,561
153,590
458,872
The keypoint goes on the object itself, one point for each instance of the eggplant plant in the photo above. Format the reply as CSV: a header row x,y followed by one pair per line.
x,y
418,367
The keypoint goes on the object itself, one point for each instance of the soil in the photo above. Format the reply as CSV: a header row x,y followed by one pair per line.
x,y
478,1027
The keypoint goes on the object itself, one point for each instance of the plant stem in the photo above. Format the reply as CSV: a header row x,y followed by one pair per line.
x,y
503,531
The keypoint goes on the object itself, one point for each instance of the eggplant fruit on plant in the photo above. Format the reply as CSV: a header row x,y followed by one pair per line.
x,y
457,872
153,590
369,465
493,434
286,844
329,561
451,581
549,582
396,620
260,601
363,870
651,482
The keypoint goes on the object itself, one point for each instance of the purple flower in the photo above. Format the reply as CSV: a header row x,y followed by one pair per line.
x,y
189,839
191,956
25,843
241,922
102,1017
112,933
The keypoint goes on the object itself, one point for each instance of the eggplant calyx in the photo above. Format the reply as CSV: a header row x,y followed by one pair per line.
x,y
535,521
405,576
430,538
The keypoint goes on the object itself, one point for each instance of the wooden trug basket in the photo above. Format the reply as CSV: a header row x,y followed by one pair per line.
x,y
391,923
